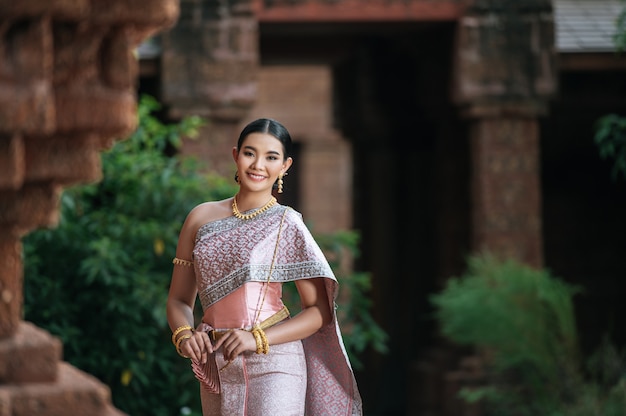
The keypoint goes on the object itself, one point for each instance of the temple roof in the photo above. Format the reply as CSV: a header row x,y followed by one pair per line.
x,y
586,25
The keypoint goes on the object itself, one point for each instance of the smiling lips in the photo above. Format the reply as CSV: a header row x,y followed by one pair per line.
x,y
256,177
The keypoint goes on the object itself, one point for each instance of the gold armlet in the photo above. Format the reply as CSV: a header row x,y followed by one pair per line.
x,y
181,262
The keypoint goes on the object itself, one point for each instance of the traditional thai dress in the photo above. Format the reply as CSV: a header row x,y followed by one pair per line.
x,y
232,261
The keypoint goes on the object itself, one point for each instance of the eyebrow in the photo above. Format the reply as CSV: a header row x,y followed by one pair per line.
x,y
254,148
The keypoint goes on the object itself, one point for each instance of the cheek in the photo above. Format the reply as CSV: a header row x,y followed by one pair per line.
x,y
243,160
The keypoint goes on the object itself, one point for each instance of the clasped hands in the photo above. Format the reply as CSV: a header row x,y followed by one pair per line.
x,y
198,346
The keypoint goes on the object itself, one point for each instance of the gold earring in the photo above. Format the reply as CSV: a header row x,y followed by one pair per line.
x,y
280,183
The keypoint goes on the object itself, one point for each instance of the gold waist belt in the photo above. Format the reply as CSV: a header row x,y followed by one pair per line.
x,y
216,334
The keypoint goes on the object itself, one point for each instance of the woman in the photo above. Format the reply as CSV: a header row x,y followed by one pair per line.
x,y
250,356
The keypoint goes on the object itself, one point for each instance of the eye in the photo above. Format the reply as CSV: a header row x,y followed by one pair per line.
x,y
272,157
248,153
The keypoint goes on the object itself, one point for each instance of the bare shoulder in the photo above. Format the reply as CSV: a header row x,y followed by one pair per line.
x,y
208,212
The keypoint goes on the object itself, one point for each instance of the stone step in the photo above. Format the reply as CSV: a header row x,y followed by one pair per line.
x,y
73,393
30,355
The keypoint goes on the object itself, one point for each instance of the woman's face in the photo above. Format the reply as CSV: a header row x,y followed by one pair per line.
x,y
260,160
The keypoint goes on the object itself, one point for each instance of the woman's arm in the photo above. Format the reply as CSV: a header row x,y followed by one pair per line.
x,y
315,313
182,294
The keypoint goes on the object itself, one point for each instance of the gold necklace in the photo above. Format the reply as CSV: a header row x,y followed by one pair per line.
x,y
241,216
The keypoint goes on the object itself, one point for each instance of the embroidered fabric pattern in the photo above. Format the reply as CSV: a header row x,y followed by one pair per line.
x,y
252,253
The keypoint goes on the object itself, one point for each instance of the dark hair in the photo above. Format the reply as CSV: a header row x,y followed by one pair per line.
x,y
269,126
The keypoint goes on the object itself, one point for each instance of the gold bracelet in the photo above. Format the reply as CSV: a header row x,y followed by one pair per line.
x,y
258,339
182,262
262,345
266,345
178,331
179,344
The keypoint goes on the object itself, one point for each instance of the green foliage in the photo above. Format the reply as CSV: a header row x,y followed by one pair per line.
x,y
610,137
99,280
619,38
522,321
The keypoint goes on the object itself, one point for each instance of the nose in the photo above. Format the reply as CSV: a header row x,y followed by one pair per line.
x,y
257,164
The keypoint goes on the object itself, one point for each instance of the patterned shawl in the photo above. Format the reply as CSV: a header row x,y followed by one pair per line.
x,y
230,252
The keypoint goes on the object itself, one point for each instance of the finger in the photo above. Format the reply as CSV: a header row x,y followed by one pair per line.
x,y
194,349
227,349
220,342
199,346
206,340
236,351
187,348
230,347
206,348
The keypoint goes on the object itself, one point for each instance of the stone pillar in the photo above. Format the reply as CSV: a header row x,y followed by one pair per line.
x,y
67,91
506,194
210,66
327,183
504,76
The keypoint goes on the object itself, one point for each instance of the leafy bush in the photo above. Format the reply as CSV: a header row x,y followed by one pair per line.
x,y
99,280
522,322
610,137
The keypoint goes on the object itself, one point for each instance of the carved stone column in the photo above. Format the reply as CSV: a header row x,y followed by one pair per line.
x,y
67,91
210,66
504,76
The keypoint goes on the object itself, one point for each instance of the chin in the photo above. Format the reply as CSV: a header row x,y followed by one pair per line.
x,y
258,187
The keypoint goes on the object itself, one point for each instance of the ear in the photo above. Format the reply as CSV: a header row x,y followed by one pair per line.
x,y
287,164
235,154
